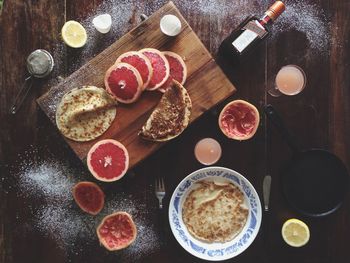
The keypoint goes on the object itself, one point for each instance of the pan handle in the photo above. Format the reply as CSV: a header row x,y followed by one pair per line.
x,y
277,121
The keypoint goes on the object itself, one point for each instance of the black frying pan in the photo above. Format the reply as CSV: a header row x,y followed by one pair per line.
x,y
315,181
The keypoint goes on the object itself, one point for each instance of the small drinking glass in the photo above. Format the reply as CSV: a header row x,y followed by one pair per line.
x,y
207,151
290,80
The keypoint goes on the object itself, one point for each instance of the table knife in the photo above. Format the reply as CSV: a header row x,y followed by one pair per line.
x,y
266,191
1,5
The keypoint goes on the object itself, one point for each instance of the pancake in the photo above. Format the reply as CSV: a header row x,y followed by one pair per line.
x,y
215,212
171,116
85,113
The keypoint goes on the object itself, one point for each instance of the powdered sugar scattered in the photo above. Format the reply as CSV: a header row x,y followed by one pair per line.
x,y
147,240
57,217
308,19
302,16
121,13
65,225
50,183
237,9
47,179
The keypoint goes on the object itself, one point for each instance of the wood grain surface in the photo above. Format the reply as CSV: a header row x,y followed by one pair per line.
x,y
206,84
318,117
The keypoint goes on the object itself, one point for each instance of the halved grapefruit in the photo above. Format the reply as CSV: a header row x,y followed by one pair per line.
x,y
117,231
239,120
140,62
160,66
108,160
178,70
89,197
123,82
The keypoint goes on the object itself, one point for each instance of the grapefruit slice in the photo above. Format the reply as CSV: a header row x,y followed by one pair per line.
x,y
108,160
160,66
140,62
123,82
117,231
178,70
89,197
239,120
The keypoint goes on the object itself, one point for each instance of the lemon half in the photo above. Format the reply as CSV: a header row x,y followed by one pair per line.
x,y
74,34
295,232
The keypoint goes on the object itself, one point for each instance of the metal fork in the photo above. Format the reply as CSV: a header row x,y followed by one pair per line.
x,y
160,191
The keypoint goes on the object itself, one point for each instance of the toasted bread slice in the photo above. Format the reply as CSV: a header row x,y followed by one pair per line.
x,y
171,116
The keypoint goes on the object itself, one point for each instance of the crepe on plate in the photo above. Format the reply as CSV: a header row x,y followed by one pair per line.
x,y
171,116
215,212
85,113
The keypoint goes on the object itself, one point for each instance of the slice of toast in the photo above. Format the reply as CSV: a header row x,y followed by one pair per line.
x,y
171,116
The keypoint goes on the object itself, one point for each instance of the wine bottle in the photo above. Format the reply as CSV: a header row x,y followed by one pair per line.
x,y
249,34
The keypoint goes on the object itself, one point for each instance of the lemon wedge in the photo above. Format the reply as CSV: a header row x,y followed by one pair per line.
x,y
295,232
74,34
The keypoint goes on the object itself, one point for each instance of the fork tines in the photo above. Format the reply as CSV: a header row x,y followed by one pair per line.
x,y
160,191
160,184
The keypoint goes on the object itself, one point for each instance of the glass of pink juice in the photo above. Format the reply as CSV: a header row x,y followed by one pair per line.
x,y
290,80
207,151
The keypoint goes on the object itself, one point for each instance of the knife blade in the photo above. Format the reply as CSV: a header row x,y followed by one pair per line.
x,y
266,191
1,5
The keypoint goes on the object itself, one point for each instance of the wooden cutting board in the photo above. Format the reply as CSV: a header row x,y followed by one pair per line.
x,y
206,83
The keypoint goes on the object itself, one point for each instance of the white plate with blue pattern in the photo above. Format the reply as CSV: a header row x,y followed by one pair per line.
x,y
215,251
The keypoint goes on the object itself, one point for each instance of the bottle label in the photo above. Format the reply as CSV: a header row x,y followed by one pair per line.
x,y
256,27
244,40
251,32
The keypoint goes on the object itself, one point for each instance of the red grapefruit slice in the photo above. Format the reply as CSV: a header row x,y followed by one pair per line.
x,y
123,82
178,70
108,160
89,197
239,120
160,66
140,62
117,231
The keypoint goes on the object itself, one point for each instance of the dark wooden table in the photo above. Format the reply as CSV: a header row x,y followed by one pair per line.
x,y
318,117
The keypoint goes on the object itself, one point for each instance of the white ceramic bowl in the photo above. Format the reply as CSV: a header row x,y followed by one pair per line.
x,y
215,251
